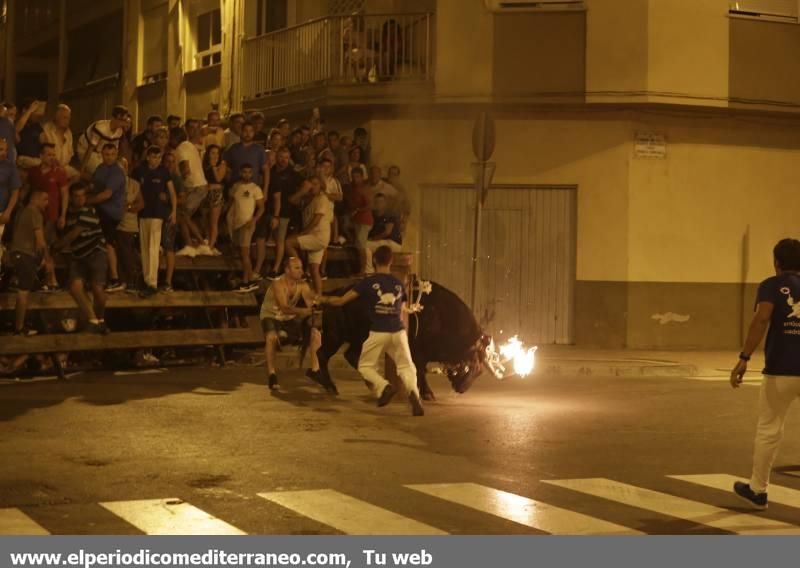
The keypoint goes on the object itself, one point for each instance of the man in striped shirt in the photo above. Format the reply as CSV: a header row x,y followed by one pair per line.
x,y
97,135
89,262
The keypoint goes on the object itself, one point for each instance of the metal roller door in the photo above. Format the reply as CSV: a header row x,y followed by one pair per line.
x,y
526,270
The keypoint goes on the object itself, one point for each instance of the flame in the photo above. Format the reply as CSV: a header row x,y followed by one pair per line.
x,y
512,351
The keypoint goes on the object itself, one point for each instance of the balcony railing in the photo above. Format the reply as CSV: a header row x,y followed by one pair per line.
x,y
336,50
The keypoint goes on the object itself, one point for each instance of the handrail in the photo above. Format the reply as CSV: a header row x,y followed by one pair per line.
x,y
314,20
367,48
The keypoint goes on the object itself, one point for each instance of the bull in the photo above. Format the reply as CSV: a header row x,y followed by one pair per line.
x,y
441,329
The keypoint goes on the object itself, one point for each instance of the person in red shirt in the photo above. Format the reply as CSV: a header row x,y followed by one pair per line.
x,y
51,178
361,213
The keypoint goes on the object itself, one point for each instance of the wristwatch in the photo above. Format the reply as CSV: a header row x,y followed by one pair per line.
x,y
744,357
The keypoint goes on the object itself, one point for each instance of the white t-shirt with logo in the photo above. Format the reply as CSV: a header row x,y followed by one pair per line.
x,y
244,197
187,152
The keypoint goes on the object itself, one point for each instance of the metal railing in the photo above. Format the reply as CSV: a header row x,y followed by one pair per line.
x,y
337,49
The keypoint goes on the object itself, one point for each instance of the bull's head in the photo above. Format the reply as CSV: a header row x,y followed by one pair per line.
x,y
464,373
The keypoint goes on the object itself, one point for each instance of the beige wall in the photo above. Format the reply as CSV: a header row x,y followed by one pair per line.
x,y
688,49
464,36
548,151
722,180
616,48
202,91
399,6
303,10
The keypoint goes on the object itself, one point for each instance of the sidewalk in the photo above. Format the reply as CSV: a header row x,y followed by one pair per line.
x,y
570,360
561,359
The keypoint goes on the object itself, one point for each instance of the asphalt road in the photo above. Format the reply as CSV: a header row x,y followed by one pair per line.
x,y
213,450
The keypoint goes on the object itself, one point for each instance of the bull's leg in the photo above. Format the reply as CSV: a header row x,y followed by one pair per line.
x,y
324,354
425,390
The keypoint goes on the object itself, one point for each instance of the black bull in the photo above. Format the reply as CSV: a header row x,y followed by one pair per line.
x,y
444,331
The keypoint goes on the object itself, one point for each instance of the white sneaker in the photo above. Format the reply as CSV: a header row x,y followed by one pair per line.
x,y
187,251
216,252
204,250
341,240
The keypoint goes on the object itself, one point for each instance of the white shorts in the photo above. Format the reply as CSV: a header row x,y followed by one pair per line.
x,y
314,246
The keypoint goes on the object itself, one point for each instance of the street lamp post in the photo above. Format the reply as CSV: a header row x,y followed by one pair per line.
x,y
483,139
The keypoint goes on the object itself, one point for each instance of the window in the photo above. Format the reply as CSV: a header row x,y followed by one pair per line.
x,y
271,15
209,39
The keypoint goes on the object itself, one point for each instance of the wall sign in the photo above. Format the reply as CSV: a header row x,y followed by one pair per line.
x,y
650,145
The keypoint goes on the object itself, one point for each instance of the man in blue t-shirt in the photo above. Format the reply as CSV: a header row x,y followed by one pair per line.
x,y
109,183
777,309
9,189
157,219
384,295
248,152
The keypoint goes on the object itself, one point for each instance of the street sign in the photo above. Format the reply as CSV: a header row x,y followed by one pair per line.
x,y
650,145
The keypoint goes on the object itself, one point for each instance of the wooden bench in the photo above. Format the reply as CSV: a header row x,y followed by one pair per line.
x,y
214,334
121,300
231,262
72,342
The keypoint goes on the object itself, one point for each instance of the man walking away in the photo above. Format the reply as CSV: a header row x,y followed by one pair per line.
x,y
777,309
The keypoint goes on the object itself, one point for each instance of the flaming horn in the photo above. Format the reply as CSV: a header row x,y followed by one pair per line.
x,y
513,356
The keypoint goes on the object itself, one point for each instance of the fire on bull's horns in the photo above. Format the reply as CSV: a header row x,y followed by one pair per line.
x,y
513,357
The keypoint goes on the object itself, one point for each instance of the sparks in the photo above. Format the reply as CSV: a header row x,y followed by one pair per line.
x,y
512,351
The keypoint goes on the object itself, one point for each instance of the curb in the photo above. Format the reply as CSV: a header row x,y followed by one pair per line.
x,y
613,369
583,368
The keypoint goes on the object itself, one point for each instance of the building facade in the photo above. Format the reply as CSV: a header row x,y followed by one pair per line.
x,y
645,149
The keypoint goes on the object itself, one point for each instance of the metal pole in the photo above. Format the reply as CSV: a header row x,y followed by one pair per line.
x,y
476,234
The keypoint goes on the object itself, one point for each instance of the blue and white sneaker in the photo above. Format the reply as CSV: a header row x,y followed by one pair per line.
x,y
756,500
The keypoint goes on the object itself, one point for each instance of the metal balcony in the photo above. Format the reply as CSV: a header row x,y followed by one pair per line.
x,y
338,50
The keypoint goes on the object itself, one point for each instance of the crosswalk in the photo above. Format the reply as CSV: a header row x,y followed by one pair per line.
x,y
551,511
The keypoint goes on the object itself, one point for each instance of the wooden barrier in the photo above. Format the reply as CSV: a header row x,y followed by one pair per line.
x,y
73,342
121,300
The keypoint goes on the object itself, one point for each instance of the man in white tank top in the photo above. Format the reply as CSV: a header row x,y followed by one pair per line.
x,y
284,323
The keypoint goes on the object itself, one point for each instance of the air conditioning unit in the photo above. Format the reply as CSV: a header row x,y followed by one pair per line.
x,y
510,6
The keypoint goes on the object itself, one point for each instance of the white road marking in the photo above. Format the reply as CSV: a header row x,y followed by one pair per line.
x,y
678,507
169,517
348,514
521,509
15,522
777,494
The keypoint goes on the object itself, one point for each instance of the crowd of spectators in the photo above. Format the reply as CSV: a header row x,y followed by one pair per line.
x,y
113,202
